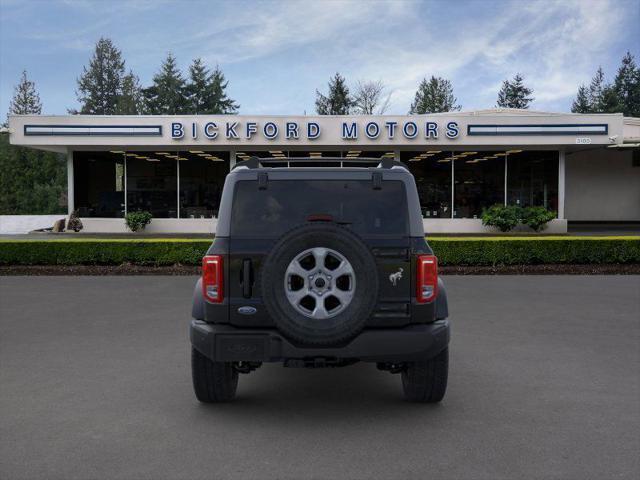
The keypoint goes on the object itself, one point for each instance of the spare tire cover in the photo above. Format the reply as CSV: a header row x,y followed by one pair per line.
x,y
319,284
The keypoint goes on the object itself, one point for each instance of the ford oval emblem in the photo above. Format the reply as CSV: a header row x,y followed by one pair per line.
x,y
247,310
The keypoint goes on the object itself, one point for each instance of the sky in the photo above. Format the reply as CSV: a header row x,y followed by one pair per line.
x,y
275,54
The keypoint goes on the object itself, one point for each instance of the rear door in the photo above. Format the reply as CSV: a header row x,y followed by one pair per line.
x,y
261,214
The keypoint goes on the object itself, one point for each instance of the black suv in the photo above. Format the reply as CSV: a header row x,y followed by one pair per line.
x,y
320,266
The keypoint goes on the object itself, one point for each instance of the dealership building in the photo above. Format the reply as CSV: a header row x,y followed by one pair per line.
x,y
586,168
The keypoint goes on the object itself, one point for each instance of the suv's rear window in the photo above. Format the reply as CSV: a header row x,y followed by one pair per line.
x,y
287,203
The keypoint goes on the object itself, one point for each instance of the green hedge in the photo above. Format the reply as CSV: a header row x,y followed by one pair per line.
x,y
102,252
532,251
450,251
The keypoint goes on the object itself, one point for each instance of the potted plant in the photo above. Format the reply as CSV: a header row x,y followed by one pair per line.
x,y
137,221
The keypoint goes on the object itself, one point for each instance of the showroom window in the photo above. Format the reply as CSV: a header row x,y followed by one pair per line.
x,y
168,184
532,179
478,182
152,184
432,171
202,177
479,179
99,184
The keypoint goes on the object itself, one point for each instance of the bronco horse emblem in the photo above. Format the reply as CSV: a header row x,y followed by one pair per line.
x,y
394,277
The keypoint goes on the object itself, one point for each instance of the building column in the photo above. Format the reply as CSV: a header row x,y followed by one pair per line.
x,y
396,155
561,177
70,183
506,172
453,185
232,159
177,188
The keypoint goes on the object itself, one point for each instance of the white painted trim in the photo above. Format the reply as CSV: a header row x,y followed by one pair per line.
x,y
473,225
157,225
208,225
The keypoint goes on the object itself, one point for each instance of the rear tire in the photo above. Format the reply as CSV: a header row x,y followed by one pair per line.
x,y
426,382
213,382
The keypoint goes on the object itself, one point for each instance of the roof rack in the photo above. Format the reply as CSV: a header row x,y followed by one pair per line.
x,y
257,162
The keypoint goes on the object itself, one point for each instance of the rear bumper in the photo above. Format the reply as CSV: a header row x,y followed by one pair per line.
x,y
222,343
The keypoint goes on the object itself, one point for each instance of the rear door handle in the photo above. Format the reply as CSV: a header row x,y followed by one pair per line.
x,y
246,278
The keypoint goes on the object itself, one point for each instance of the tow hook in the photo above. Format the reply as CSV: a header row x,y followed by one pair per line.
x,y
246,367
392,367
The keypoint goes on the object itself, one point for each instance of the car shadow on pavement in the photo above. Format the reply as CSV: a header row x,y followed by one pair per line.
x,y
274,394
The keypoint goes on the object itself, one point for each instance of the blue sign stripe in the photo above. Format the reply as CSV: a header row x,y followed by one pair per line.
x,y
93,130
533,129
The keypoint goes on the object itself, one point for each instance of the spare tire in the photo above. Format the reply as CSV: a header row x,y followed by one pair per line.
x,y
319,284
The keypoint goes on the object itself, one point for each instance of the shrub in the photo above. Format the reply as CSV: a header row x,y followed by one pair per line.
x,y
103,252
503,217
536,250
537,217
450,251
74,223
137,220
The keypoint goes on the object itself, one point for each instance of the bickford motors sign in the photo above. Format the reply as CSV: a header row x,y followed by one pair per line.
x,y
233,131
310,130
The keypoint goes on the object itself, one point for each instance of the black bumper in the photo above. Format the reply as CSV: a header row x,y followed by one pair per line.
x,y
222,343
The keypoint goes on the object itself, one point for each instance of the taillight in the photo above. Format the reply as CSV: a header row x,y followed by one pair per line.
x,y
427,278
213,278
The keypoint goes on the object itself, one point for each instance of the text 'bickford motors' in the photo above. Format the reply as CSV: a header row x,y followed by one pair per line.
x,y
311,130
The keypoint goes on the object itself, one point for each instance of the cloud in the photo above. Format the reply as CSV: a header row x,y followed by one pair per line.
x,y
556,45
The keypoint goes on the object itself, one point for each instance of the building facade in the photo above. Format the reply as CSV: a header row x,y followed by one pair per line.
x,y
583,167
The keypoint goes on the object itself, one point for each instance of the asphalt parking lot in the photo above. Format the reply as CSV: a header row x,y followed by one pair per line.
x,y
544,383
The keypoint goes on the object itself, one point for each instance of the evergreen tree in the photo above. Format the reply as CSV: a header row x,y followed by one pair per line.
x,y
25,99
130,101
581,104
219,102
610,101
167,95
100,85
596,91
627,86
433,96
196,89
206,92
337,101
602,97
514,94
31,181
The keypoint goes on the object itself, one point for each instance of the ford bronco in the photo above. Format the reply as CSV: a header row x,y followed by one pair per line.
x,y
320,266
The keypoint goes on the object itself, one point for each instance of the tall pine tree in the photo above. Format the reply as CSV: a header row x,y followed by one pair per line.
x,y
25,99
206,92
433,96
219,102
627,86
167,95
100,85
196,88
31,181
130,101
338,101
514,94
597,89
582,103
